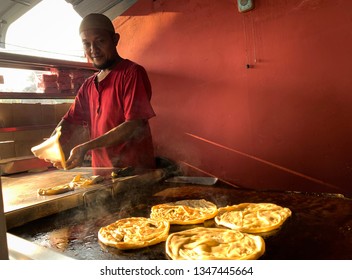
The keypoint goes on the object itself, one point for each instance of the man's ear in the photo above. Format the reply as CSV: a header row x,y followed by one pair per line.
x,y
116,38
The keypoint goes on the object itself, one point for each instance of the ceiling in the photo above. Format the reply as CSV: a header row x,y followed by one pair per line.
x,y
11,10
111,8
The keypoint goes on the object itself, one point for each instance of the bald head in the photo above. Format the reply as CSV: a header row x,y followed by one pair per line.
x,y
96,21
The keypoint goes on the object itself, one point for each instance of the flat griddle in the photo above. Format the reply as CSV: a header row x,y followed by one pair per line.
x,y
320,227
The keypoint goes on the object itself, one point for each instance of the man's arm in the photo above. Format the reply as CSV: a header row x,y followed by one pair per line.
x,y
119,134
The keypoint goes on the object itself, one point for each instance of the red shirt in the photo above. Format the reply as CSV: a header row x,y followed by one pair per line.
x,y
124,94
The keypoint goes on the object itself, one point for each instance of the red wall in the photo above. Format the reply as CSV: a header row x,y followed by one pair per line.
x,y
283,123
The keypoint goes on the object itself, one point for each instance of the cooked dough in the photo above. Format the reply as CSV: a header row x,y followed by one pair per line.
x,y
202,243
134,233
185,212
253,217
77,182
56,190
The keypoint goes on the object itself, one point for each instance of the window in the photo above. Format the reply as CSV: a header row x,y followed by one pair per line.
x,y
49,29
46,33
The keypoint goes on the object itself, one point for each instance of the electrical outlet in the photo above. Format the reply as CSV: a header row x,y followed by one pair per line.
x,y
245,5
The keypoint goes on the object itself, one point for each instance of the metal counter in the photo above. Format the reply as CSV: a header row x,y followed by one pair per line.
x,y
23,204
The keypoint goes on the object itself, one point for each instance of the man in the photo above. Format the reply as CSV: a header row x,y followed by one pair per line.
x,y
114,104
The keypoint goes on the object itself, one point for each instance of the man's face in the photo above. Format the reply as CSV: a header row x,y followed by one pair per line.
x,y
100,47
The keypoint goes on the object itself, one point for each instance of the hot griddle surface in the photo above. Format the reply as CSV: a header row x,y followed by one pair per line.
x,y
320,226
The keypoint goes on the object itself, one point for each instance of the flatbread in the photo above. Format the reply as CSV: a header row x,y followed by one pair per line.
x,y
84,181
253,217
202,243
78,181
134,233
185,212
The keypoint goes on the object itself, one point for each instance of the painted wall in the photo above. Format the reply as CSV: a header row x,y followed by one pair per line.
x,y
260,99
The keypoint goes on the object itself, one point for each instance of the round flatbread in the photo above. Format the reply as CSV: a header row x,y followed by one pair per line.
x,y
202,243
253,217
185,212
134,233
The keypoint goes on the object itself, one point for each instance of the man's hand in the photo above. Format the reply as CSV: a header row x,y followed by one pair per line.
x,y
57,164
76,157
